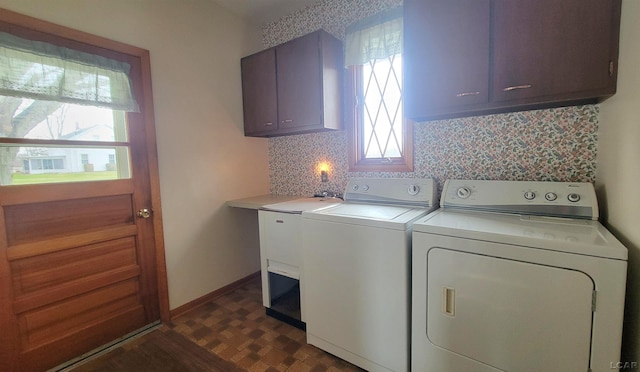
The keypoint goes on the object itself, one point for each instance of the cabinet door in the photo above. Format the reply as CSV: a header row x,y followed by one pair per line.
x,y
446,55
259,93
299,83
551,47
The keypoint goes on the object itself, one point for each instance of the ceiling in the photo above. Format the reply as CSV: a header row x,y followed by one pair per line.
x,y
260,12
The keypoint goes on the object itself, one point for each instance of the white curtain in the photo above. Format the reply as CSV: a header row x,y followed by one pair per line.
x,y
43,71
375,37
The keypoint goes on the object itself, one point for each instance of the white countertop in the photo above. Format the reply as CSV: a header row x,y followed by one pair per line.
x,y
255,202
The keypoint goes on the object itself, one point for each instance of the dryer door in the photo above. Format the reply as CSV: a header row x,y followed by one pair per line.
x,y
511,315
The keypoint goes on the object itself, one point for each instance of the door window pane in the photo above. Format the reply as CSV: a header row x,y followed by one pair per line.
x,y
46,120
33,165
39,138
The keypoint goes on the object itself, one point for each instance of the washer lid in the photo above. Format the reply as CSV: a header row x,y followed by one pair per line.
x,y
375,215
585,237
298,206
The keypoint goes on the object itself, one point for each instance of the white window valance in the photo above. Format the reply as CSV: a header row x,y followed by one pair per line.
x,y
43,71
375,37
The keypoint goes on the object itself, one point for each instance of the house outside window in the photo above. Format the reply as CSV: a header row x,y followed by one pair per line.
x,y
380,137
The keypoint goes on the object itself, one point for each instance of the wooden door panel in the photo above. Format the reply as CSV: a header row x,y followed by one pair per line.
x,y
45,272
61,349
73,289
75,268
63,318
41,221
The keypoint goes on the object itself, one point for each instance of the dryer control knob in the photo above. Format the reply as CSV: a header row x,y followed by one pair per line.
x,y
529,195
551,196
413,189
355,187
463,192
365,187
573,197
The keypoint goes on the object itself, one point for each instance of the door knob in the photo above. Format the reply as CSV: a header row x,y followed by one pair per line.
x,y
144,213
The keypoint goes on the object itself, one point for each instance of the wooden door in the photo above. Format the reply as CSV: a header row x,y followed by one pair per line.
x,y
299,83
259,93
550,47
78,267
446,56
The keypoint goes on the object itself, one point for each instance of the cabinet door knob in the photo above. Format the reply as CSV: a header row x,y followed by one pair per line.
x,y
516,87
467,94
268,124
287,121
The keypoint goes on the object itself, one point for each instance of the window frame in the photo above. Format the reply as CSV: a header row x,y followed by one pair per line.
x,y
354,122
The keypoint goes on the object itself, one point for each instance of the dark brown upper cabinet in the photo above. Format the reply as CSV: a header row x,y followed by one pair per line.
x,y
259,95
448,66
475,57
294,87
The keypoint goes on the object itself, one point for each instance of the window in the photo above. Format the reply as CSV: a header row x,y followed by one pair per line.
x,y
380,137
62,113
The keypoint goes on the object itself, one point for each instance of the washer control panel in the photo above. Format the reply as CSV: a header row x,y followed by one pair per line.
x,y
559,199
420,192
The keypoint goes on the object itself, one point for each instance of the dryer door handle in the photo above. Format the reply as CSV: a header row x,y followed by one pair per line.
x,y
449,301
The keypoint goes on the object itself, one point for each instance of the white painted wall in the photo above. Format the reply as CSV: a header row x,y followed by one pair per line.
x,y
204,157
618,170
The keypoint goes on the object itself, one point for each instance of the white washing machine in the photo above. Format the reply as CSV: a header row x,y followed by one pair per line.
x,y
357,258
516,276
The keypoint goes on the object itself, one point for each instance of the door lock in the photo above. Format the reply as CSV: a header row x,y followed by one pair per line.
x,y
144,213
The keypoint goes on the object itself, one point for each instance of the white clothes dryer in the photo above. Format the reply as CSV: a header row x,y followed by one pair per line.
x,y
516,276
357,259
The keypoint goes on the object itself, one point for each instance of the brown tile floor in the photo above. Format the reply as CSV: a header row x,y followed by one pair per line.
x,y
236,328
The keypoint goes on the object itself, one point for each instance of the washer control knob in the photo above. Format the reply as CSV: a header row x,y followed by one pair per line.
x,y
464,192
529,195
355,187
551,196
365,187
573,197
413,189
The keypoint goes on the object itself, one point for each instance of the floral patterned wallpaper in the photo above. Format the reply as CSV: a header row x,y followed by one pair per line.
x,y
545,145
